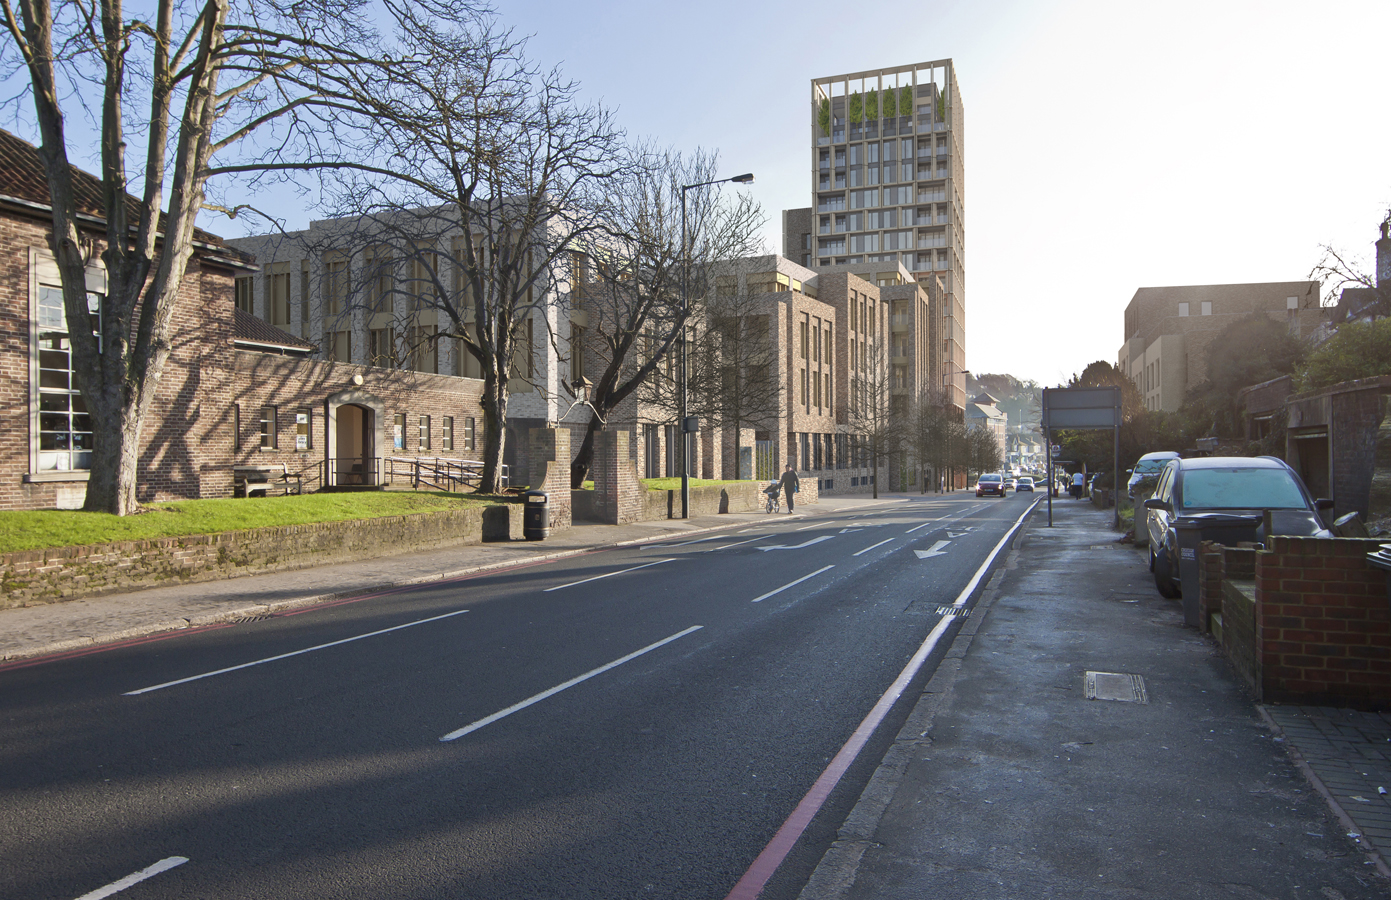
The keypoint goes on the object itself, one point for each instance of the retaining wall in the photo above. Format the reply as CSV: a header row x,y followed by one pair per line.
x,y
35,577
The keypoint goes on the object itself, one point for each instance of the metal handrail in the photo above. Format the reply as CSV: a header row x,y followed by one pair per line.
x,y
440,473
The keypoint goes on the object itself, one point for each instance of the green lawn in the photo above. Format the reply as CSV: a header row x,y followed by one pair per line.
x,y
667,484
33,529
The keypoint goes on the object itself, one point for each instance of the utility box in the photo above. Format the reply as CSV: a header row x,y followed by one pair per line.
x,y
536,515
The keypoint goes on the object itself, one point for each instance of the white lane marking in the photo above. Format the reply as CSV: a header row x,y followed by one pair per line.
x,y
935,551
805,527
481,723
268,659
696,541
806,543
767,862
916,527
791,584
739,544
605,575
880,544
164,865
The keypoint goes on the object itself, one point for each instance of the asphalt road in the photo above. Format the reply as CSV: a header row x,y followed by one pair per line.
x,y
624,724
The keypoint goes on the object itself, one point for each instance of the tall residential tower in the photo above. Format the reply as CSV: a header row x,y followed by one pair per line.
x,y
888,180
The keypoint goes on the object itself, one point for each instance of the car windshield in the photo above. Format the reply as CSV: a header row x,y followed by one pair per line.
x,y
990,478
1241,488
1150,466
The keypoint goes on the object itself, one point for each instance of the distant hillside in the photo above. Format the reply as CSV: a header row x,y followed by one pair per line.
x,y
1020,400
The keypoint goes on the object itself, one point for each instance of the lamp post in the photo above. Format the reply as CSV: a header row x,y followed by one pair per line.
x,y
686,430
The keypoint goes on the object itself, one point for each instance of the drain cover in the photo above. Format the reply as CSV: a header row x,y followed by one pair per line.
x,y
959,611
1116,686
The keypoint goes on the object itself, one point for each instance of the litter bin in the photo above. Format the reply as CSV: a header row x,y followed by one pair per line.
x,y
1190,531
536,515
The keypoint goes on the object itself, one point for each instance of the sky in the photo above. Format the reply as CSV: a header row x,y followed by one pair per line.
x,y
1108,145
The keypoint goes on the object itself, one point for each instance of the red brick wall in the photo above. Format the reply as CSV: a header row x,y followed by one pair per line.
x,y
1322,623
176,439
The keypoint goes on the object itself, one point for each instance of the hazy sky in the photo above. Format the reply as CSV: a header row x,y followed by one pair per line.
x,y
1109,145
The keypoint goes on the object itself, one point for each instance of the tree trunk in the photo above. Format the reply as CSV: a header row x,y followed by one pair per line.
x,y
494,436
584,459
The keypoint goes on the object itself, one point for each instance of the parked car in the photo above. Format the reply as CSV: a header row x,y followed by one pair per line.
x,y
1148,469
1025,483
1235,485
990,483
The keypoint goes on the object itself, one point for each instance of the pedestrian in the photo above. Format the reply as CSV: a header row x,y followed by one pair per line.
x,y
789,486
1078,483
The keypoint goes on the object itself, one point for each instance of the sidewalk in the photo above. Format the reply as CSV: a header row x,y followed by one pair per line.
x,y
1007,782
77,624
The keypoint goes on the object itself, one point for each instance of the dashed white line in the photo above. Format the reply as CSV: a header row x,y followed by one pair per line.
x,y
916,527
605,575
164,865
484,722
880,544
268,659
791,584
809,525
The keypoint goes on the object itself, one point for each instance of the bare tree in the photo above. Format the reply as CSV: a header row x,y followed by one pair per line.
x,y
734,383
282,74
498,172
1338,271
630,279
872,416
936,432
982,451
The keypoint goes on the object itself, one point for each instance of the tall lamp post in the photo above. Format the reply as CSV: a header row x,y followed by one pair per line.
x,y
687,428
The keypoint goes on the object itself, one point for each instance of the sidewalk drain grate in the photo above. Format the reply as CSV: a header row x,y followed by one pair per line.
x,y
242,620
1116,686
958,611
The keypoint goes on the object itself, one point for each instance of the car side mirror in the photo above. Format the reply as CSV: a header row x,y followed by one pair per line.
x,y
1156,503
1323,503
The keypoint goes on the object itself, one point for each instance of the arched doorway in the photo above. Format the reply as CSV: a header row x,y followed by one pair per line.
x,y
353,426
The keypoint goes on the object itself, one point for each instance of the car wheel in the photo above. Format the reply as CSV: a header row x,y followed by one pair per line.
x,y
1163,576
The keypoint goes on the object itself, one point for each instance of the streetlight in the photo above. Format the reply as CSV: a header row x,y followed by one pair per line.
x,y
686,426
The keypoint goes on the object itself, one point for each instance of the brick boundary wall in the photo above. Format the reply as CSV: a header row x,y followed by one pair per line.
x,y
549,454
37,577
1323,626
1217,563
618,496
1239,631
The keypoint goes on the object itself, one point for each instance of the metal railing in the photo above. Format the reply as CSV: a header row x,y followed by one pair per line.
x,y
350,471
439,473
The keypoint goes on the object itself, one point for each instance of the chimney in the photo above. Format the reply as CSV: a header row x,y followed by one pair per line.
x,y
1384,256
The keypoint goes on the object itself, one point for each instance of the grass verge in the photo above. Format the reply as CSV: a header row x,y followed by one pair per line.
x,y
35,529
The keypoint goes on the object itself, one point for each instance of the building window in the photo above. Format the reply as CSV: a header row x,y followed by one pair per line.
x,y
423,427
243,294
278,301
304,422
64,428
381,347
468,433
338,346
268,429
304,299
1207,307
446,432
236,427
1183,309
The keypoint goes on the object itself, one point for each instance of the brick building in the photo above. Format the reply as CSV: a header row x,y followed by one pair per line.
x,y
235,389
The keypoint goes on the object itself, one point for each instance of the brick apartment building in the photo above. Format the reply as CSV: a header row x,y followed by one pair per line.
x,y
234,391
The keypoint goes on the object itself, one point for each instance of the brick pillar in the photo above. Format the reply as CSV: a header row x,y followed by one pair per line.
x,y
548,450
619,496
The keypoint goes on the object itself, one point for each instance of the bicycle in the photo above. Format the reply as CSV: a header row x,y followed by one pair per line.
x,y
774,503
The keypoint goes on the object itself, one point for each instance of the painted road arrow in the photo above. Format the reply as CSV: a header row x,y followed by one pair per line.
x,y
935,551
815,540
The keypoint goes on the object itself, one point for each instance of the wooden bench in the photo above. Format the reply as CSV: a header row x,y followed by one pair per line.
x,y
262,481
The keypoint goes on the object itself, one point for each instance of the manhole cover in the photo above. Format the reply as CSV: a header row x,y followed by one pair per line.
x,y
959,611
1116,686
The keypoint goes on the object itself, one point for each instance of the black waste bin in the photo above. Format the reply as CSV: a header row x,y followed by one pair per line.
x,y
1192,530
536,515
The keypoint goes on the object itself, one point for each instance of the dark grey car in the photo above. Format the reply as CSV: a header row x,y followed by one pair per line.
x,y
1233,485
